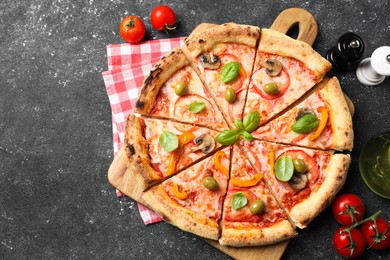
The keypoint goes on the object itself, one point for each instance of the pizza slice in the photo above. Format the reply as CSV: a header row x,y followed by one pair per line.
x,y
192,199
251,215
304,181
174,91
322,120
156,149
284,70
223,55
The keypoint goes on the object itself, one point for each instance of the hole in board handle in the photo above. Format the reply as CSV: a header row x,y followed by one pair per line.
x,y
293,32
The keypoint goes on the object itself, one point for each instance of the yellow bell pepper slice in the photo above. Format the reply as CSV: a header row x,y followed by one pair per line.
x,y
289,121
181,195
218,156
271,157
247,183
322,123
171,163
184,139
242,72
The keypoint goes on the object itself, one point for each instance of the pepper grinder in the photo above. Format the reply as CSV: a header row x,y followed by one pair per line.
x,y
349,49
373,71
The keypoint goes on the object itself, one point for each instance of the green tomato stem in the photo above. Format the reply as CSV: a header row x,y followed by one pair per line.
x,y
130,24
351,211
372,217
167,28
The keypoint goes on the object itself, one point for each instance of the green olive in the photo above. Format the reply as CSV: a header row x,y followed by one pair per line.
x,y
271,88
257,206
180,88
299,166
210,183
230,95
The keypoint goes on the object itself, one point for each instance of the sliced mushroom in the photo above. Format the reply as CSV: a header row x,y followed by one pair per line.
x,y
272,67
304,111
205,143
210,61
298,181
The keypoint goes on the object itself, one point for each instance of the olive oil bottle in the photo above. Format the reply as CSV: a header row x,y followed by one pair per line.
x,y
374,164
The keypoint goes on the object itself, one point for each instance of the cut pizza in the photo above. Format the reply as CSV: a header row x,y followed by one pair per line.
x,y
156,149
251,215
304,181
192,199
284,70
223,55
257,192
173,90
322,120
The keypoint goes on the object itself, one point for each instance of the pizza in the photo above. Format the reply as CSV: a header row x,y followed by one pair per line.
x,y
238,136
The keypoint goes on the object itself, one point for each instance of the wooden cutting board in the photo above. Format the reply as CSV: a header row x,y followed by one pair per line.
x,y
123,180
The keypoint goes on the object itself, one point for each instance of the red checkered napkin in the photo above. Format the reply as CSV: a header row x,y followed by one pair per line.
x,y
128,64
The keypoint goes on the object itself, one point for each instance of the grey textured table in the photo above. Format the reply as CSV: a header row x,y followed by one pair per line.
x,y
56,136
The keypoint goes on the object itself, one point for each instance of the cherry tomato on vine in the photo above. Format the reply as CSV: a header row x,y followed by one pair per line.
x,y
132,29
163,18
377,237
350,245
348,209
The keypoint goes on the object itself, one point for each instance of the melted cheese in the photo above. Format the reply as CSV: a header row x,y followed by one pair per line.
x,y
244,55
200,199
271,214
170,105
280,129
283,191
301,80
159,157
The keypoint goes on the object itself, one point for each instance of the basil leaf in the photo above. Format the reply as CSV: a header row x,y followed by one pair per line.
x,y
228,137
229,71
239,125
247,136
284,168
168,141
196,107
239,200
251,121
305,124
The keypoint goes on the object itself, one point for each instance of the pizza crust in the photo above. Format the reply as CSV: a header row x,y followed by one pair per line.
x,y
137,155
243,234
340,116
336,174
162,71
280,44
202,27
187,220
207,36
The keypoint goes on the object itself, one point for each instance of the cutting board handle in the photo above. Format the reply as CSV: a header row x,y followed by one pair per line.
x,y
289,18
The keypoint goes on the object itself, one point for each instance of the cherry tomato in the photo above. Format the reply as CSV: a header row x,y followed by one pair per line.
x,y
132,29
377,237
163,18
348,209
350,245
